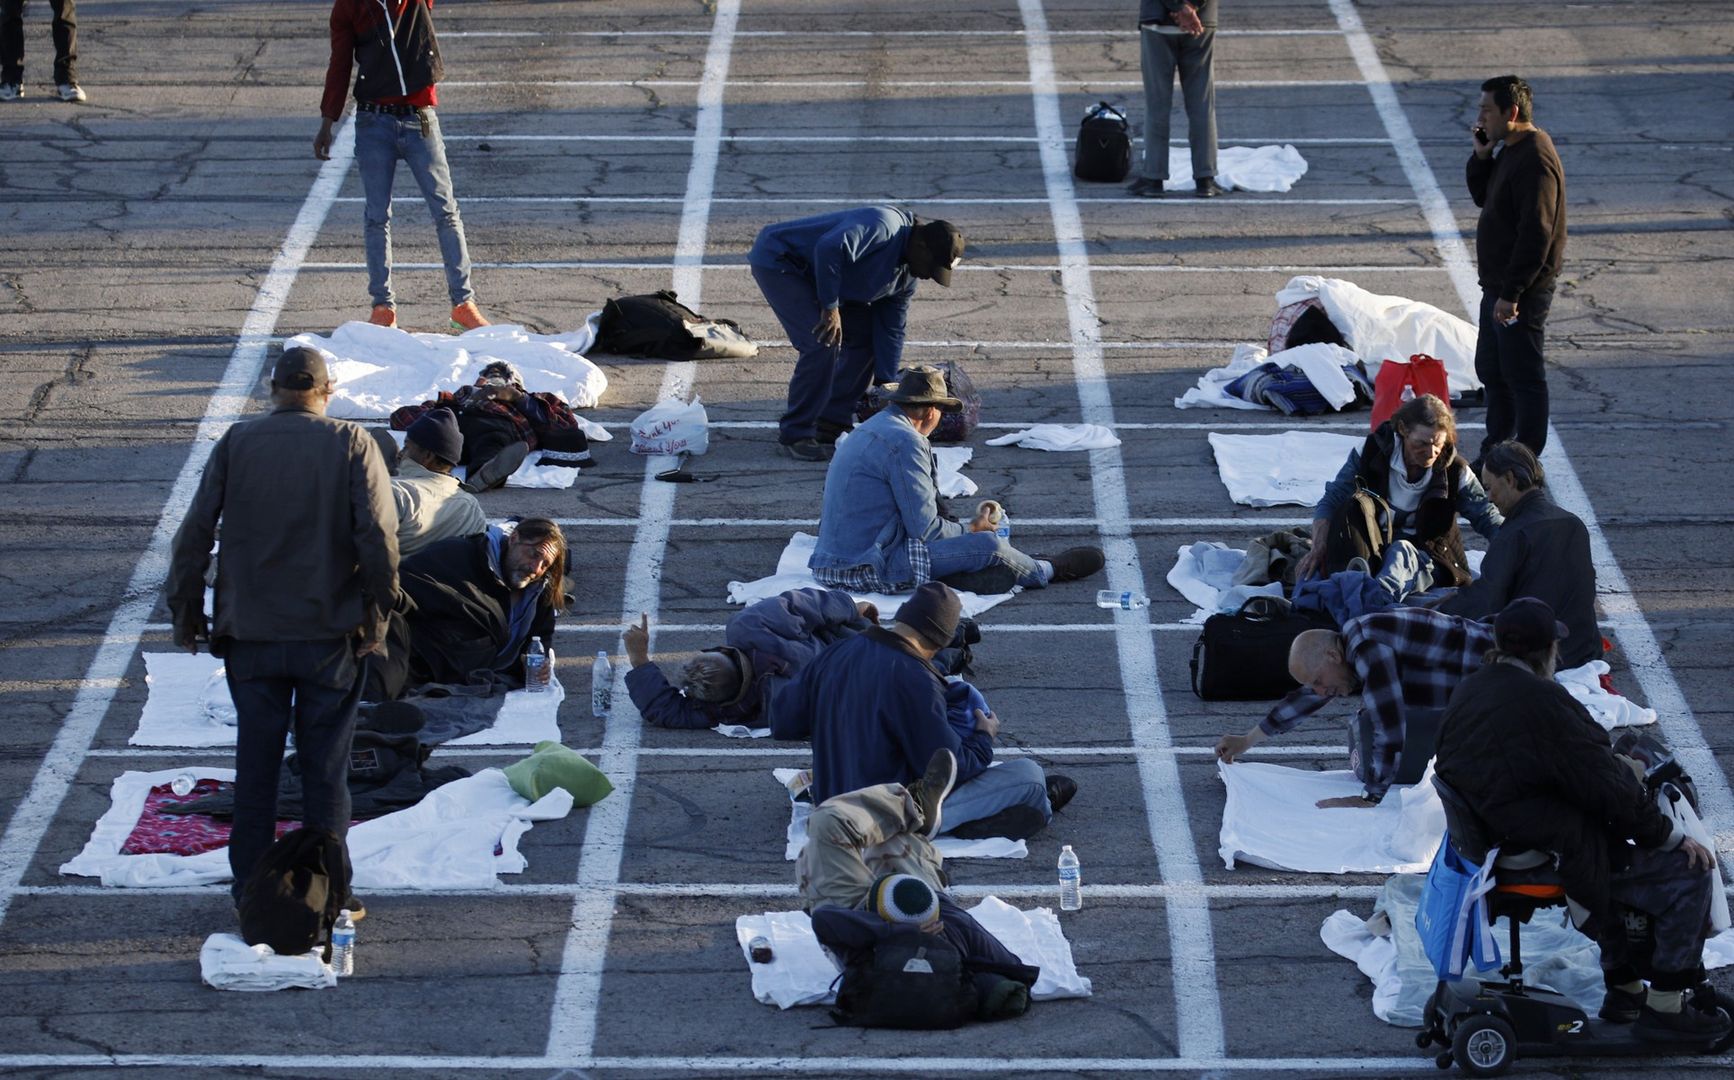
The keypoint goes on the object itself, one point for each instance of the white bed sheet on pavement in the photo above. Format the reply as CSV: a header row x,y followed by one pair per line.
x,y
1059,437
446,841
792,573
1271,168
1380,328
1287,469
228,963
1203,573
950,847
188,704
1270,820
800,972
378,368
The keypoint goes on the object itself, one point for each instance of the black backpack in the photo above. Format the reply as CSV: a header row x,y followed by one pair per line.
x,y
660,325
1104,145
910,980
953,427
295,892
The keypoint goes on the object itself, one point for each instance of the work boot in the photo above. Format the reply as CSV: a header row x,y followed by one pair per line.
x,y
988,581
493,473
806,450
466,316
1078,562
383,315
1622,1006
1060,791
1145,188
930,791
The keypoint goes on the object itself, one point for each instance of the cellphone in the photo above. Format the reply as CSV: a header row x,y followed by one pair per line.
x,y
1481,135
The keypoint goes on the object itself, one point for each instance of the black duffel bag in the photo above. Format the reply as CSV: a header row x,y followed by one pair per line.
x,y
1244,656
1104,145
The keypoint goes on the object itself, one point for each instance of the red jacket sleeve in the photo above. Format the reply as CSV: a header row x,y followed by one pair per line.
x,y
342,59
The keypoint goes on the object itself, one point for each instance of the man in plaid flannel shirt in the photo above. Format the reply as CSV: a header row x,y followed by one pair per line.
x,y
1396,658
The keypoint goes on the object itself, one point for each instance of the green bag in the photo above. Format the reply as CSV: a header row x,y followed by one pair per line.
x,y
554,766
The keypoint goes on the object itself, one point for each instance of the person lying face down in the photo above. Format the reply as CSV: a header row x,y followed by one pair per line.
x,y
1393,659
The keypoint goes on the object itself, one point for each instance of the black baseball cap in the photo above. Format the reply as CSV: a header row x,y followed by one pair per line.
x,y
942,247
300,368
1527,625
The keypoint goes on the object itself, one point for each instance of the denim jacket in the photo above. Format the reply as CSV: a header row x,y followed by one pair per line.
x,y
880,493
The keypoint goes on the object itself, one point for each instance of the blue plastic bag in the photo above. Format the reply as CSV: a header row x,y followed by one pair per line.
x,y
1452,915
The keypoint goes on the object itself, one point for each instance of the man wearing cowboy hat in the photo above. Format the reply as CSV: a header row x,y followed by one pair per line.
x,y
880,529
840,284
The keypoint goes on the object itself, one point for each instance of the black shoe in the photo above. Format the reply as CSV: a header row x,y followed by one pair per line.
x,y
806,450
1145,188
828,433
1686,1026
988,581
493,473
1013,823
1621,1006
1208,188
1060,791
930,791
1078,562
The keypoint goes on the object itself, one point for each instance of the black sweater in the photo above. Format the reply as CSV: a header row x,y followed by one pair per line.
x,y
1520,239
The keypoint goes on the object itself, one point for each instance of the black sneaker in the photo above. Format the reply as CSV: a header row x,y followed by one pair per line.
x,y
1078,562
1208,188
1622,1006
1145,188
806,450
930,791
1686,1026
1060,791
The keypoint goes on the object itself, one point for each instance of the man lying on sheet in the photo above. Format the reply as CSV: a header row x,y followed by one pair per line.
x,y
502,423
1404,657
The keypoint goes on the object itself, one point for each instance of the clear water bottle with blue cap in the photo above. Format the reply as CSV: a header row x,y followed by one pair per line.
x,y
1124,599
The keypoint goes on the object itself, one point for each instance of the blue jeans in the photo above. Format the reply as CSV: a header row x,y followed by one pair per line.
x,y
315,685
978,551
828,380
1014,782
380,142
1405,570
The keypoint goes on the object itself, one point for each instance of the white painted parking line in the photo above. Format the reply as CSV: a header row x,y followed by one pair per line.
x,y
1098,890
36,811
1241,200
850,140
863,84
1104,34
974,268
1649,665
1198,1007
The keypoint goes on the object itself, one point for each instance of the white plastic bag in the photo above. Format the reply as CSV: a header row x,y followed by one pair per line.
x,y
672,427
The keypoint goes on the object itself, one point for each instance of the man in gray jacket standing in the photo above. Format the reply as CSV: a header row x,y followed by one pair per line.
x,y
1178,35
307,576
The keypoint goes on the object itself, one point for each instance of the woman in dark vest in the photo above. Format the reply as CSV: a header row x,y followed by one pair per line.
x,y
1396,501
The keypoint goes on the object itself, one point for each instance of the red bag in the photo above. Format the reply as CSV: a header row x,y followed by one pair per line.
x,y
1422,375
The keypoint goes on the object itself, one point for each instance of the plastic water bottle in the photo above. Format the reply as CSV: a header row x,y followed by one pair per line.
x,y
1125,600
601,685
343,944
183,784
1003,529
1071,881
535,662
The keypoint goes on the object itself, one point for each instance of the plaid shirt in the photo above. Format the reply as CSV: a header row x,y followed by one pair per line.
x,y
865,579
1405,655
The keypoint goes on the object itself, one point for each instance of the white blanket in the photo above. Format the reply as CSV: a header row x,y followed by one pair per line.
x,y
1060,437
228,963
1240,168
792,573
188,704
1610,710
800,972
1290,469
1322,363
378,369
1271,820
446,841
1380,328
1388,951
1211,391
1204,574
950,847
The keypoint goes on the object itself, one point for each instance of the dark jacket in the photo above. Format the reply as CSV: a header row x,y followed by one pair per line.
x,y
775,637
534,419
392,46
1544,552
1543,775
1520,239
1435,519
875,712
460,611
309,534
852,933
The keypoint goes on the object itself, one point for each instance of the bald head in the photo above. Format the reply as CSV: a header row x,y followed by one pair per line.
x,y
1315,660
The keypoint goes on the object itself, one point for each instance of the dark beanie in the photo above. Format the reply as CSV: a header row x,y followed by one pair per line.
x,y
932,611
436,431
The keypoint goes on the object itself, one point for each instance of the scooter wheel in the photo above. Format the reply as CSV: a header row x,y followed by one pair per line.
x,y
1424,1040
1483,1046
1726,1042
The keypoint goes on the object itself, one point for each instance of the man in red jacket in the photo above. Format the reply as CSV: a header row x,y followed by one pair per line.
x,y
391,45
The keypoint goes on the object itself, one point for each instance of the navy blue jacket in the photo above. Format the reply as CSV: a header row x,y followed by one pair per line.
x,y
875,712
851,934
777,636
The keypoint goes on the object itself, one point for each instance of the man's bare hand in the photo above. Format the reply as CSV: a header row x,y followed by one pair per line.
x,y
370,646
988,722
1698,857
867,611
1505,312
830,328
322,141
189,643
1350,802
637,640
1230,747
1187,19
1483,149
984,517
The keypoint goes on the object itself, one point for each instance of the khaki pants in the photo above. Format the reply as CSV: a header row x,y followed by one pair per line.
x,y
855,837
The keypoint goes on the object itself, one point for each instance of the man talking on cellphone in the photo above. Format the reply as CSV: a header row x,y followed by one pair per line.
x,y
1515,177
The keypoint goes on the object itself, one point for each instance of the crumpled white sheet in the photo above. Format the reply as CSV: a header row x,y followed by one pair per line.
x,y
228,963
446,841
800,973
792,573
1321,361
1290,469
1610,710
1060,437
379,368
1240,168
1388,951
950,461
188,704
1204,574
950,847
741,731
1380,328
1270,821
1211,390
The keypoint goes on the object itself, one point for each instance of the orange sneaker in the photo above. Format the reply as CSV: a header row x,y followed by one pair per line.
x,y
466,316
383,315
